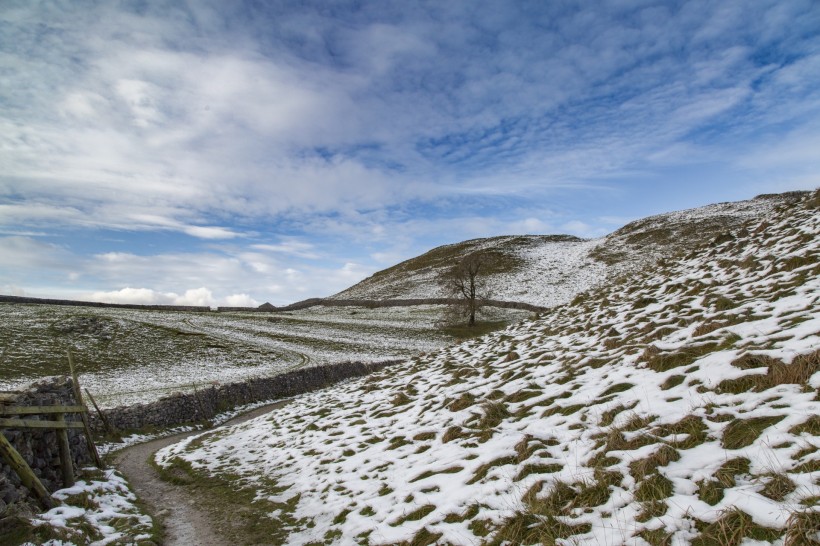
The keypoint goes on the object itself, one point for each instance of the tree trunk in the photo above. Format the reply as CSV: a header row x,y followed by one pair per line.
x,y
472,298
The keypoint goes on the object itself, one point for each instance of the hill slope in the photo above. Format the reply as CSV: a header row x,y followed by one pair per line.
x,y
549,270
679,405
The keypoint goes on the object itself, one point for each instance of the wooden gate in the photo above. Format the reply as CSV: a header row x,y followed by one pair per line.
x,y
19,417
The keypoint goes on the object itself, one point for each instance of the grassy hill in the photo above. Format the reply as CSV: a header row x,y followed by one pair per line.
x,y
676,405
550,270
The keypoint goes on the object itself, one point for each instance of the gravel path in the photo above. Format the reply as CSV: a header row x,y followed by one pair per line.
x,y
184,523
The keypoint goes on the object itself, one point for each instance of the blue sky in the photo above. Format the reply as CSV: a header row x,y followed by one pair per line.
x,y
234,153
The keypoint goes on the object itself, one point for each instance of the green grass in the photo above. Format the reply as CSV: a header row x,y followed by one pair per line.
x,y
733,526
740,433
778,487
809,426
415,515
237,511
537,521
662,457
481,471
656,487
429,473
480,328
618,387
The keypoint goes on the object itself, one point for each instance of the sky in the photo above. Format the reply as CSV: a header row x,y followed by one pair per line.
x,y
240,152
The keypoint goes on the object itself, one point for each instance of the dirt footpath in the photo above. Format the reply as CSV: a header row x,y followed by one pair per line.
x,y
184,523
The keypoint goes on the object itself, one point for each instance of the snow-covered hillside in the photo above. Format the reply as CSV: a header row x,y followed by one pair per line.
x,y
550,270
679,405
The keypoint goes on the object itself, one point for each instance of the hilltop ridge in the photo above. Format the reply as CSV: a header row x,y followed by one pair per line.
x,y
550,270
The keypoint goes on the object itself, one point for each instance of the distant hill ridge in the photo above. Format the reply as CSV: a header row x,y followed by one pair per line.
x,y
550,270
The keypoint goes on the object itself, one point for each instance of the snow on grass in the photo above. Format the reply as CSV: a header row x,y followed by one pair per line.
x,y
679,404
97,511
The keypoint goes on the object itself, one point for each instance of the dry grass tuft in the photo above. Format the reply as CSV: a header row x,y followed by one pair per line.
x,y
778,487
453,433
743,432
802,529
465,401
644,467
732,528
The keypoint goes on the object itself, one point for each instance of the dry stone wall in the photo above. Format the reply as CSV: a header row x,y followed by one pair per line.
x,y
73,303
39,446
204,404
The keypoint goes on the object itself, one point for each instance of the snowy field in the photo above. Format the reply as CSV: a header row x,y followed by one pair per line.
x,y
126,356
680,405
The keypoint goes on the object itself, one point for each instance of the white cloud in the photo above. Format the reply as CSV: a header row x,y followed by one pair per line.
x,y
195,296
292,247
147,296
210,232
241,300
23,253
582,229
12,290
128,295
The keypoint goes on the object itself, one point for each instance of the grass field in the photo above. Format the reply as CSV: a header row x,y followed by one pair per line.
x,y
126,356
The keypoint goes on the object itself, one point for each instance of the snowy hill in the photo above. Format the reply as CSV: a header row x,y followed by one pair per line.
x,y
549,270
678,405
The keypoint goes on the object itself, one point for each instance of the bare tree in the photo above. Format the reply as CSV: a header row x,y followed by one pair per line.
x,y
464,281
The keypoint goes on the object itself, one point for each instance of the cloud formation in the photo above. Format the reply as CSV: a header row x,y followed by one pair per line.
x,y
327,135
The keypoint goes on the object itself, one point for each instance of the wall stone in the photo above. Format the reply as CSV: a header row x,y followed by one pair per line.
x,y
39,446
73,303
204,404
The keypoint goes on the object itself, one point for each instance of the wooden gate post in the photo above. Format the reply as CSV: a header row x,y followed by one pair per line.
x,y
79,396
66,462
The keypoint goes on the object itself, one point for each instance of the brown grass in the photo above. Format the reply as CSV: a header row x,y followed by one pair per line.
x,y
802,528
743,432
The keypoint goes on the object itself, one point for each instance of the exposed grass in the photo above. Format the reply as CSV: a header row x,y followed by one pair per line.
x,y
693,427
733,526
656,487
649,465
237,511
672,381
453,433
415,515
743,432
809,426
710,491
778,487
802,528
466,400
481,471
537,468
656,537
537,522
619,387
427,474
667,361
798,372
480,328
725,475
492,415
424,537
